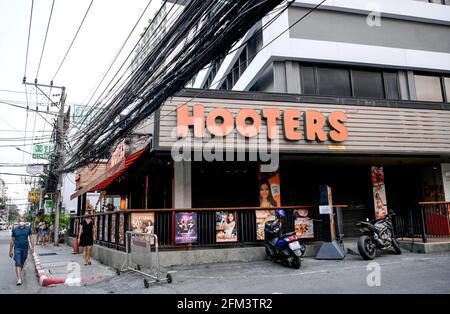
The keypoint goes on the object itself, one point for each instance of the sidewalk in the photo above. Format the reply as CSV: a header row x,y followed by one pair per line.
x,y
57,265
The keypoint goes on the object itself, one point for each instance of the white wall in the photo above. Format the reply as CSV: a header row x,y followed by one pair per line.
x,y
446,181
67,189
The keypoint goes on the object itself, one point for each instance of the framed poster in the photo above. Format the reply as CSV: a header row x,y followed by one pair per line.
x,y
121,229
100,227
304,226
226,227
106,239
269,190
379,192
263,216
186,228
143,222
113,228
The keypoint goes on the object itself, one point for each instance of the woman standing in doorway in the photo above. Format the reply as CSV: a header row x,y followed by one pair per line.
x,y
86,237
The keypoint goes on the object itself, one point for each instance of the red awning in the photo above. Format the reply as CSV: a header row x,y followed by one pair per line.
x,y
103,181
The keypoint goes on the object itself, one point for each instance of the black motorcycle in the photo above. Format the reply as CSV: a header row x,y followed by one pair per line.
x,y
377,235
283,248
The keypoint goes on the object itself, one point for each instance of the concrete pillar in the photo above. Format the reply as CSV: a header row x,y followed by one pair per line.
x,y
182,180
446,180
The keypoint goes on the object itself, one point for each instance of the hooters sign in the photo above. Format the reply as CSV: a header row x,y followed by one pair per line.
x,y
221,122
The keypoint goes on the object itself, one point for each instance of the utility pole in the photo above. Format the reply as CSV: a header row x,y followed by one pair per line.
x,y
59,150
59,162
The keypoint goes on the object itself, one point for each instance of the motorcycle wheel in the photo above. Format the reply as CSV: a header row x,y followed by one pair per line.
x,y
366,248
296,262
396,247
269,255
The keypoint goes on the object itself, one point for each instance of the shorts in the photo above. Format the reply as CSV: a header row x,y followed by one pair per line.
x,y
20,256
42,233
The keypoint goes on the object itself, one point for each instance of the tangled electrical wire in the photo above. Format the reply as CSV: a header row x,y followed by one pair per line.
x,y
203,31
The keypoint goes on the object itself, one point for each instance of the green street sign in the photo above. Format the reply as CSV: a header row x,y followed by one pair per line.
x,y
84,115
43,151
48,205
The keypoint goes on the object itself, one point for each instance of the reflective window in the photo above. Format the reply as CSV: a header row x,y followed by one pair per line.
x,y
367,84
447,87
391,87
428,88
308,80
334,82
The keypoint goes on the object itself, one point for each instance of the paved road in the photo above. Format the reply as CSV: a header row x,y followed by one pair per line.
x,y
407,273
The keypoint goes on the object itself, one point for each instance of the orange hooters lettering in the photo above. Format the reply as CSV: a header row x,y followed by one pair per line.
x,y
292,125
271,116
338,132
248,129
314,123
184,120
221,122
223,127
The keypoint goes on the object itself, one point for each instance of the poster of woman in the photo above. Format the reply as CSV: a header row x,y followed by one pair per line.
x,y
269,190
186,228
226,227
263,216
143,222
379,192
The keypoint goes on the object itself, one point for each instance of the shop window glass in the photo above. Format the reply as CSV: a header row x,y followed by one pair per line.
x,y
447,87
367,84
334,82
428,88
308,80
391,85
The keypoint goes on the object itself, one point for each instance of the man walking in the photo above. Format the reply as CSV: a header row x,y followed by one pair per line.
x,y
21,239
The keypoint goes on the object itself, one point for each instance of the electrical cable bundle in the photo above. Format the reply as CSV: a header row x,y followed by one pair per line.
x,y
203,31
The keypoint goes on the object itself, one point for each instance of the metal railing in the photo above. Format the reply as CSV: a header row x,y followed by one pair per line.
x,y
426,220
111,227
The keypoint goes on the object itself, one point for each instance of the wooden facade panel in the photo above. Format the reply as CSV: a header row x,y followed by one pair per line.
x,y
371,129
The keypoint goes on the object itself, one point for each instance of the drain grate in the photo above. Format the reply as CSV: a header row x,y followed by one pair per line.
x,y
46,254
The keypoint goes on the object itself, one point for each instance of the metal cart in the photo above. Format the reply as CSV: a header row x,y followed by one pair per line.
x,y
142,253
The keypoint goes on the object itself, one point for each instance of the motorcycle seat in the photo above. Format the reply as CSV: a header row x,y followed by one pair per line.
x,y
289,234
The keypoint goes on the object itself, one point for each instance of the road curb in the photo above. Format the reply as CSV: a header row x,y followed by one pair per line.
x,y
45,281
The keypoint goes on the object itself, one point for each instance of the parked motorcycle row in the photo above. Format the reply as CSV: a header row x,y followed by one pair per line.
x,y
286,249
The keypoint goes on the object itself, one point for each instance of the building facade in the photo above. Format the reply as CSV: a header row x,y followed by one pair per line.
x,y
354,95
